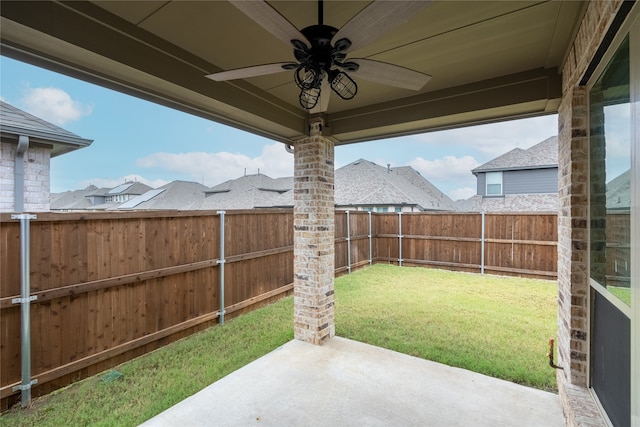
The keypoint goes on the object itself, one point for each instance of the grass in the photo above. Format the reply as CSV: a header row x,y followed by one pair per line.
x,y
156,381
623,293
498,326
493,325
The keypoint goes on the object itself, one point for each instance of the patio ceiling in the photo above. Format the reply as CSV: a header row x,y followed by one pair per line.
x,y
490,60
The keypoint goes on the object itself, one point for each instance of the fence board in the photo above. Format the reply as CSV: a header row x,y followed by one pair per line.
x,y
113,286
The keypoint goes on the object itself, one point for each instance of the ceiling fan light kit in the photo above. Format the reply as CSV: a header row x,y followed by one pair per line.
x,y
320,57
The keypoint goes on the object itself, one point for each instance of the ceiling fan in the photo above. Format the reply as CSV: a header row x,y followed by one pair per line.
x,y
321,51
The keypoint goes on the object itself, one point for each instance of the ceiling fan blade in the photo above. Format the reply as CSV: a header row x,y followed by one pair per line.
x,y
243,73
389,74
325,94
377,19
269,19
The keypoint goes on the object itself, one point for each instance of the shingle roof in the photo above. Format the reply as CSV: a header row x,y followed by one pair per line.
x,y
619,191
72,200
248,192
175,195
542,155
541,202
131,188
359,183
365,183
14,121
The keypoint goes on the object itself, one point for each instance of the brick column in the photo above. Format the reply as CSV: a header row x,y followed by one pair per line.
x,y
313,238
573,239
573,244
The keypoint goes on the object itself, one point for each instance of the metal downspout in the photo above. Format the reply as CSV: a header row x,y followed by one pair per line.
x,y
25,309
18,174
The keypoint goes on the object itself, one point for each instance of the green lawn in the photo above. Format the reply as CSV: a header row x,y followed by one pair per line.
x,y
493,325
498,326
623,293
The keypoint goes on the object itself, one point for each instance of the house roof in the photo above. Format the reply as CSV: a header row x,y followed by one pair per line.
x,y
542,155
540,202
174,195
248,192
73,200
130,188
359,183
365,183
619,191
14,123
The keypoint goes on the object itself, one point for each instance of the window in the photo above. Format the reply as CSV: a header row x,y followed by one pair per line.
x,y
494,183
610,177
398,209
611,269
382,210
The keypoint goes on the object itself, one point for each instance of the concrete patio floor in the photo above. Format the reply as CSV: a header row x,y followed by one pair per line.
x,y
348,383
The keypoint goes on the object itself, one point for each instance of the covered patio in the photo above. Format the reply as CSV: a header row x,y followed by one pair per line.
x,y
348,383
480,62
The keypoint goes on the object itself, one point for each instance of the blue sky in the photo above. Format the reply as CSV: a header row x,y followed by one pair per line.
x,y
136,139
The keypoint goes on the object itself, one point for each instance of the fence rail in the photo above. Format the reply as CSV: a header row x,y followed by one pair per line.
x,y
113,286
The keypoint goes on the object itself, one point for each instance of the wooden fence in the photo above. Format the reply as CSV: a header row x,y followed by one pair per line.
x,y
113,286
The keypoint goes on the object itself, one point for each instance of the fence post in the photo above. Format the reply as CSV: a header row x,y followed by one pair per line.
x,y
221,262
370,245
482,246
348,243
25,309
400,239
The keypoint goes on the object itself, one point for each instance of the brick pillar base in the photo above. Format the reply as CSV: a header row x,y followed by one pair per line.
x,y
313,241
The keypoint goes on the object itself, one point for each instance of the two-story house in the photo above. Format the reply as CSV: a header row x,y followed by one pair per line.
x,y
518,181
27,144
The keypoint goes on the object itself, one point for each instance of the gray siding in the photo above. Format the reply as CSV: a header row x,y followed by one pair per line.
x,y
530,181
526,181
482,188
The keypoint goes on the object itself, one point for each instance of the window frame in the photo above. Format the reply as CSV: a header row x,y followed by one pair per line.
x,y
486,184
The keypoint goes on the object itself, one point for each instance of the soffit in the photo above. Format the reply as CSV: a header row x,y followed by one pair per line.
x,y
490,60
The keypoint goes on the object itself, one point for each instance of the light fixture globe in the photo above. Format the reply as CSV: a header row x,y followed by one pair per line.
x,y
342,84
309,98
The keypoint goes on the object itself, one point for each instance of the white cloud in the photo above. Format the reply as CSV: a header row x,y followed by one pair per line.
x,y
448,167
54,105
213,168
114,182
462,193
496,138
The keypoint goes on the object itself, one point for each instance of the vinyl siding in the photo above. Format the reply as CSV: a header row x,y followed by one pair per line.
x,y
526,181
482,187
530,181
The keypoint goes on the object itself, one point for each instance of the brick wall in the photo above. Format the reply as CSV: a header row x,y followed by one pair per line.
x,y
573,244
36,176
313,238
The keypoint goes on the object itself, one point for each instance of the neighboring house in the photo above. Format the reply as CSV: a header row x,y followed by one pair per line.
x,y
248,192
517,181
619,192
361,185
176,195
27,144
125,192
97,199
76,200
364,185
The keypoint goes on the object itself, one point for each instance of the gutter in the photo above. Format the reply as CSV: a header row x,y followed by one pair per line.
x,y
18,174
